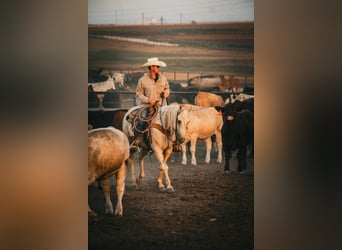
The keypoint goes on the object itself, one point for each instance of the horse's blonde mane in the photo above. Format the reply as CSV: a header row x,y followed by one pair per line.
x,y
168,119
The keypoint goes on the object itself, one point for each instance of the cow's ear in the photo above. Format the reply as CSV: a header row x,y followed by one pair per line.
x,y
220,109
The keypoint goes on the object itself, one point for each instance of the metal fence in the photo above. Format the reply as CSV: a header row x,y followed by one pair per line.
x,y
112,100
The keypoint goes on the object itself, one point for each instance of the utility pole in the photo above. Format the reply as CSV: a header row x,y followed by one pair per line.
x,y
181,18
161,20
143,18
116,17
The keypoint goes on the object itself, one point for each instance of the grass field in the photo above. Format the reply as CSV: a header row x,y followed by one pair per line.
x,y
216,47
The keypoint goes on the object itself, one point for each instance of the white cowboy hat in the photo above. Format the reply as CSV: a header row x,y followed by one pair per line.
x,y
154,61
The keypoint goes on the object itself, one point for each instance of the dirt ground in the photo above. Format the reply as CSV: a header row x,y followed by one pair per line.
x,y
208,210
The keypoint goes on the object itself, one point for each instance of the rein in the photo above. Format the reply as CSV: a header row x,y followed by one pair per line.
x,y
161,127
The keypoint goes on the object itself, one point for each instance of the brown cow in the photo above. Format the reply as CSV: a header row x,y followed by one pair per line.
x,y
204,99
108,153
118,117
230,84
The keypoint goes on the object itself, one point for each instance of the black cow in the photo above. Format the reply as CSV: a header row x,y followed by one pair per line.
x,y
237,133
245,105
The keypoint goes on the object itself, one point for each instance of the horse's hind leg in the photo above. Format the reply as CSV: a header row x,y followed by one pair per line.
x,y
131,167
141,164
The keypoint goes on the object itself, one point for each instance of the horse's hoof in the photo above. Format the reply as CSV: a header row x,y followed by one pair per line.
x,y
170,190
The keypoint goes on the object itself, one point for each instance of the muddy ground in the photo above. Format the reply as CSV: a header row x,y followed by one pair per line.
x,y
208,210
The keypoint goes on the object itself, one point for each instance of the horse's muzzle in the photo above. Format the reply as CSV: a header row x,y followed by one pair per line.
x,y
177,147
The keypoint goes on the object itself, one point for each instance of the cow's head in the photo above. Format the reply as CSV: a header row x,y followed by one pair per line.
x,y
182,123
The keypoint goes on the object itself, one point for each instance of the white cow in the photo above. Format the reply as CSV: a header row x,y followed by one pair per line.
x,y
209,81
242,97
119,78
108,153
102,87
200,123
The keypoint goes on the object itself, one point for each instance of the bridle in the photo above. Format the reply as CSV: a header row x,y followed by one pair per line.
x,y
176,141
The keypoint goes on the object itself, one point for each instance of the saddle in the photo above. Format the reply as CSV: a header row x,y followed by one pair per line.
x,y
143,139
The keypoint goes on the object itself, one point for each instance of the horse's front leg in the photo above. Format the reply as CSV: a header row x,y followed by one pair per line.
x,y
141,164
167,154
159,155
163,169
131,167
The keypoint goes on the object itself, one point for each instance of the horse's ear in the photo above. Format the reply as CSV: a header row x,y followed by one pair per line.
x,y
181,108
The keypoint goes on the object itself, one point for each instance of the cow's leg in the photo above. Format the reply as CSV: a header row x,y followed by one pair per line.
x,y
106,191
227,156
219,147
184,159
208,144
250,150
92,216
242,159
120,188
193,151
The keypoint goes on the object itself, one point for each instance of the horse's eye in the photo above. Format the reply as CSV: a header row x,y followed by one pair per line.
x,y
179,122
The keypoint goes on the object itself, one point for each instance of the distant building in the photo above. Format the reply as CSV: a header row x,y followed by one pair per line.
x,y
150,20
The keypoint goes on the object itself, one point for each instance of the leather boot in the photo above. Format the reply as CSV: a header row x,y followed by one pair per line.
x,y
136,141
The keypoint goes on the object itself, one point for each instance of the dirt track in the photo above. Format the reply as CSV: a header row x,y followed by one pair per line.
x,y
208,210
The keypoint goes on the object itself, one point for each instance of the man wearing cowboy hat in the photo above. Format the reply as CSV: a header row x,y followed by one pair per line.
x,y
152,87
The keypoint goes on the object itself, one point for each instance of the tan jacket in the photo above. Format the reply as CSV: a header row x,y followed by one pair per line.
x,y
147,89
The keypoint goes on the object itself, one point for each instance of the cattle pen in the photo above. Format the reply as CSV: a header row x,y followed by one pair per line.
x,y
207,210
180,90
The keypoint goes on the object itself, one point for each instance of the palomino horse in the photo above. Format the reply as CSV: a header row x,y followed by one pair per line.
x,y
163,135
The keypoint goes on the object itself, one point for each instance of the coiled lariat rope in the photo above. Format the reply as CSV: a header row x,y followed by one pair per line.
x,y
153,111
